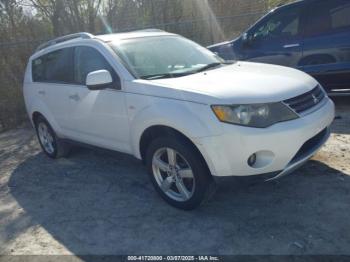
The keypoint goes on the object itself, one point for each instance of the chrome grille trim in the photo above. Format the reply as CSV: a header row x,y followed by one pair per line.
x,y
306,101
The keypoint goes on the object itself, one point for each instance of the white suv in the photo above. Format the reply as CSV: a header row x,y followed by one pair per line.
x,y
187,114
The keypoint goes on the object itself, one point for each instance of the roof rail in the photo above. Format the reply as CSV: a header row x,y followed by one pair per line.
x,y
148,30
61,39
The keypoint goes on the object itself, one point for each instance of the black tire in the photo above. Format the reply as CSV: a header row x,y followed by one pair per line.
x,y
60,148
204,183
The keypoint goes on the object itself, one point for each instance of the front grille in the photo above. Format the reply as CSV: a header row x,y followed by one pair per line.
x,y
306,101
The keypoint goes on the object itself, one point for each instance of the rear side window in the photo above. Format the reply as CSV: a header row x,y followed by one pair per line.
x,y
87,60
340,16
327,17
54,67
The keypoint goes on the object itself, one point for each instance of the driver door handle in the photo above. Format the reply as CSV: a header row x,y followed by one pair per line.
x,y
74,97
292,45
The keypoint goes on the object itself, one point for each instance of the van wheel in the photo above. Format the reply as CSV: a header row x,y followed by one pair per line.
x,y
178,173
49,142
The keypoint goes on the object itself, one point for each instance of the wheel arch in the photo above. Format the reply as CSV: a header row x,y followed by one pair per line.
x,y
152,132
38,107
35,116
47,116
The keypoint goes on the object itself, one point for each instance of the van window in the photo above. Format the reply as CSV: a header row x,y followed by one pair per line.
x,y
54,67
327,17
87,60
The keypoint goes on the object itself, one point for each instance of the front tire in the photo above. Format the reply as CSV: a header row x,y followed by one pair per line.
x,y
178,172
52,146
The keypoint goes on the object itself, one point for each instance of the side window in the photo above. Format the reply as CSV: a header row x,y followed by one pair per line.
x,y
54,67
340,16
38,69
283,25
327,17
87,60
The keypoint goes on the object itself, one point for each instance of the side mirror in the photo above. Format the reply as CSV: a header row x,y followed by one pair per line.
x,y
247,39
98,80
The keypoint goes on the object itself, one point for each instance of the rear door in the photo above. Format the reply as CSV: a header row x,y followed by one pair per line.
x,y
276,39
327,44
53,77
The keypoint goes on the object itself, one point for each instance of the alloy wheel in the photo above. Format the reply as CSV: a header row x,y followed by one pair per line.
x,y
173,174
46,138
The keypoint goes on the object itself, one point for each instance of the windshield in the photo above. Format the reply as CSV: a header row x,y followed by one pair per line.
x,y
164,56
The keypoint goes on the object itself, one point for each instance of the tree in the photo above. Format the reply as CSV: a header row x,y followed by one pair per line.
x,y
274,3
67,16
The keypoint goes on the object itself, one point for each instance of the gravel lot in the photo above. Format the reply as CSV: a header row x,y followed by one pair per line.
x,y
99,202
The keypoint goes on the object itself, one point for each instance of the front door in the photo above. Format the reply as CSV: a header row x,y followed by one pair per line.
x,y
276,39
97,117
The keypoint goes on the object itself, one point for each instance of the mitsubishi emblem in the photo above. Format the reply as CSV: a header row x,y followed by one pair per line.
x,y
315,99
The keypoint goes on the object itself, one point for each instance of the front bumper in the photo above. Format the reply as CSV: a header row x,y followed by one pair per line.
x,y
283,146
308,150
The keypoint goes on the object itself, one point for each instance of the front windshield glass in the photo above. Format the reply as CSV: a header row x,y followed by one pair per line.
x,y
164,56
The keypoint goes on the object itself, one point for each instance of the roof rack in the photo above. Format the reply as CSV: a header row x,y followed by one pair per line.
x,y
61,39
147,30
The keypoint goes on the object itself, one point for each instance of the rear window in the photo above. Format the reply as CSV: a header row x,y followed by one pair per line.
x,y
54,67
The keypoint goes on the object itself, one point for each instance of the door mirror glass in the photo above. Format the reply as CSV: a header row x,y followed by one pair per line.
x,y
98,80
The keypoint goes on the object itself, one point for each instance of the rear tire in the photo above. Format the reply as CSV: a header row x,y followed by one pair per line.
x,y
178,173
52,146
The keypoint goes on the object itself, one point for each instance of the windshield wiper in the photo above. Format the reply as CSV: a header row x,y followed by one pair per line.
x,y
160,76
213,65
208,66
172,75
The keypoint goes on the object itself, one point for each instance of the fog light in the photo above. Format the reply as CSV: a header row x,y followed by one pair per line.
x,y
252,160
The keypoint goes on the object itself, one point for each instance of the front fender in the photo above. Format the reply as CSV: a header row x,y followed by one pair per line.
x,y
193,120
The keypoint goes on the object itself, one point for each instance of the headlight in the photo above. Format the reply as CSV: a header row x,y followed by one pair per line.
x,y
254,115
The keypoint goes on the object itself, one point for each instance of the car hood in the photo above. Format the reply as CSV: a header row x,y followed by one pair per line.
x,y
242,82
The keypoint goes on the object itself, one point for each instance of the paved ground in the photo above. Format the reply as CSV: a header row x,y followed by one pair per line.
x,y
101,203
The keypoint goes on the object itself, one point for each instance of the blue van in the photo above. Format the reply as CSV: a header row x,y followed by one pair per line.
x,y
310,35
